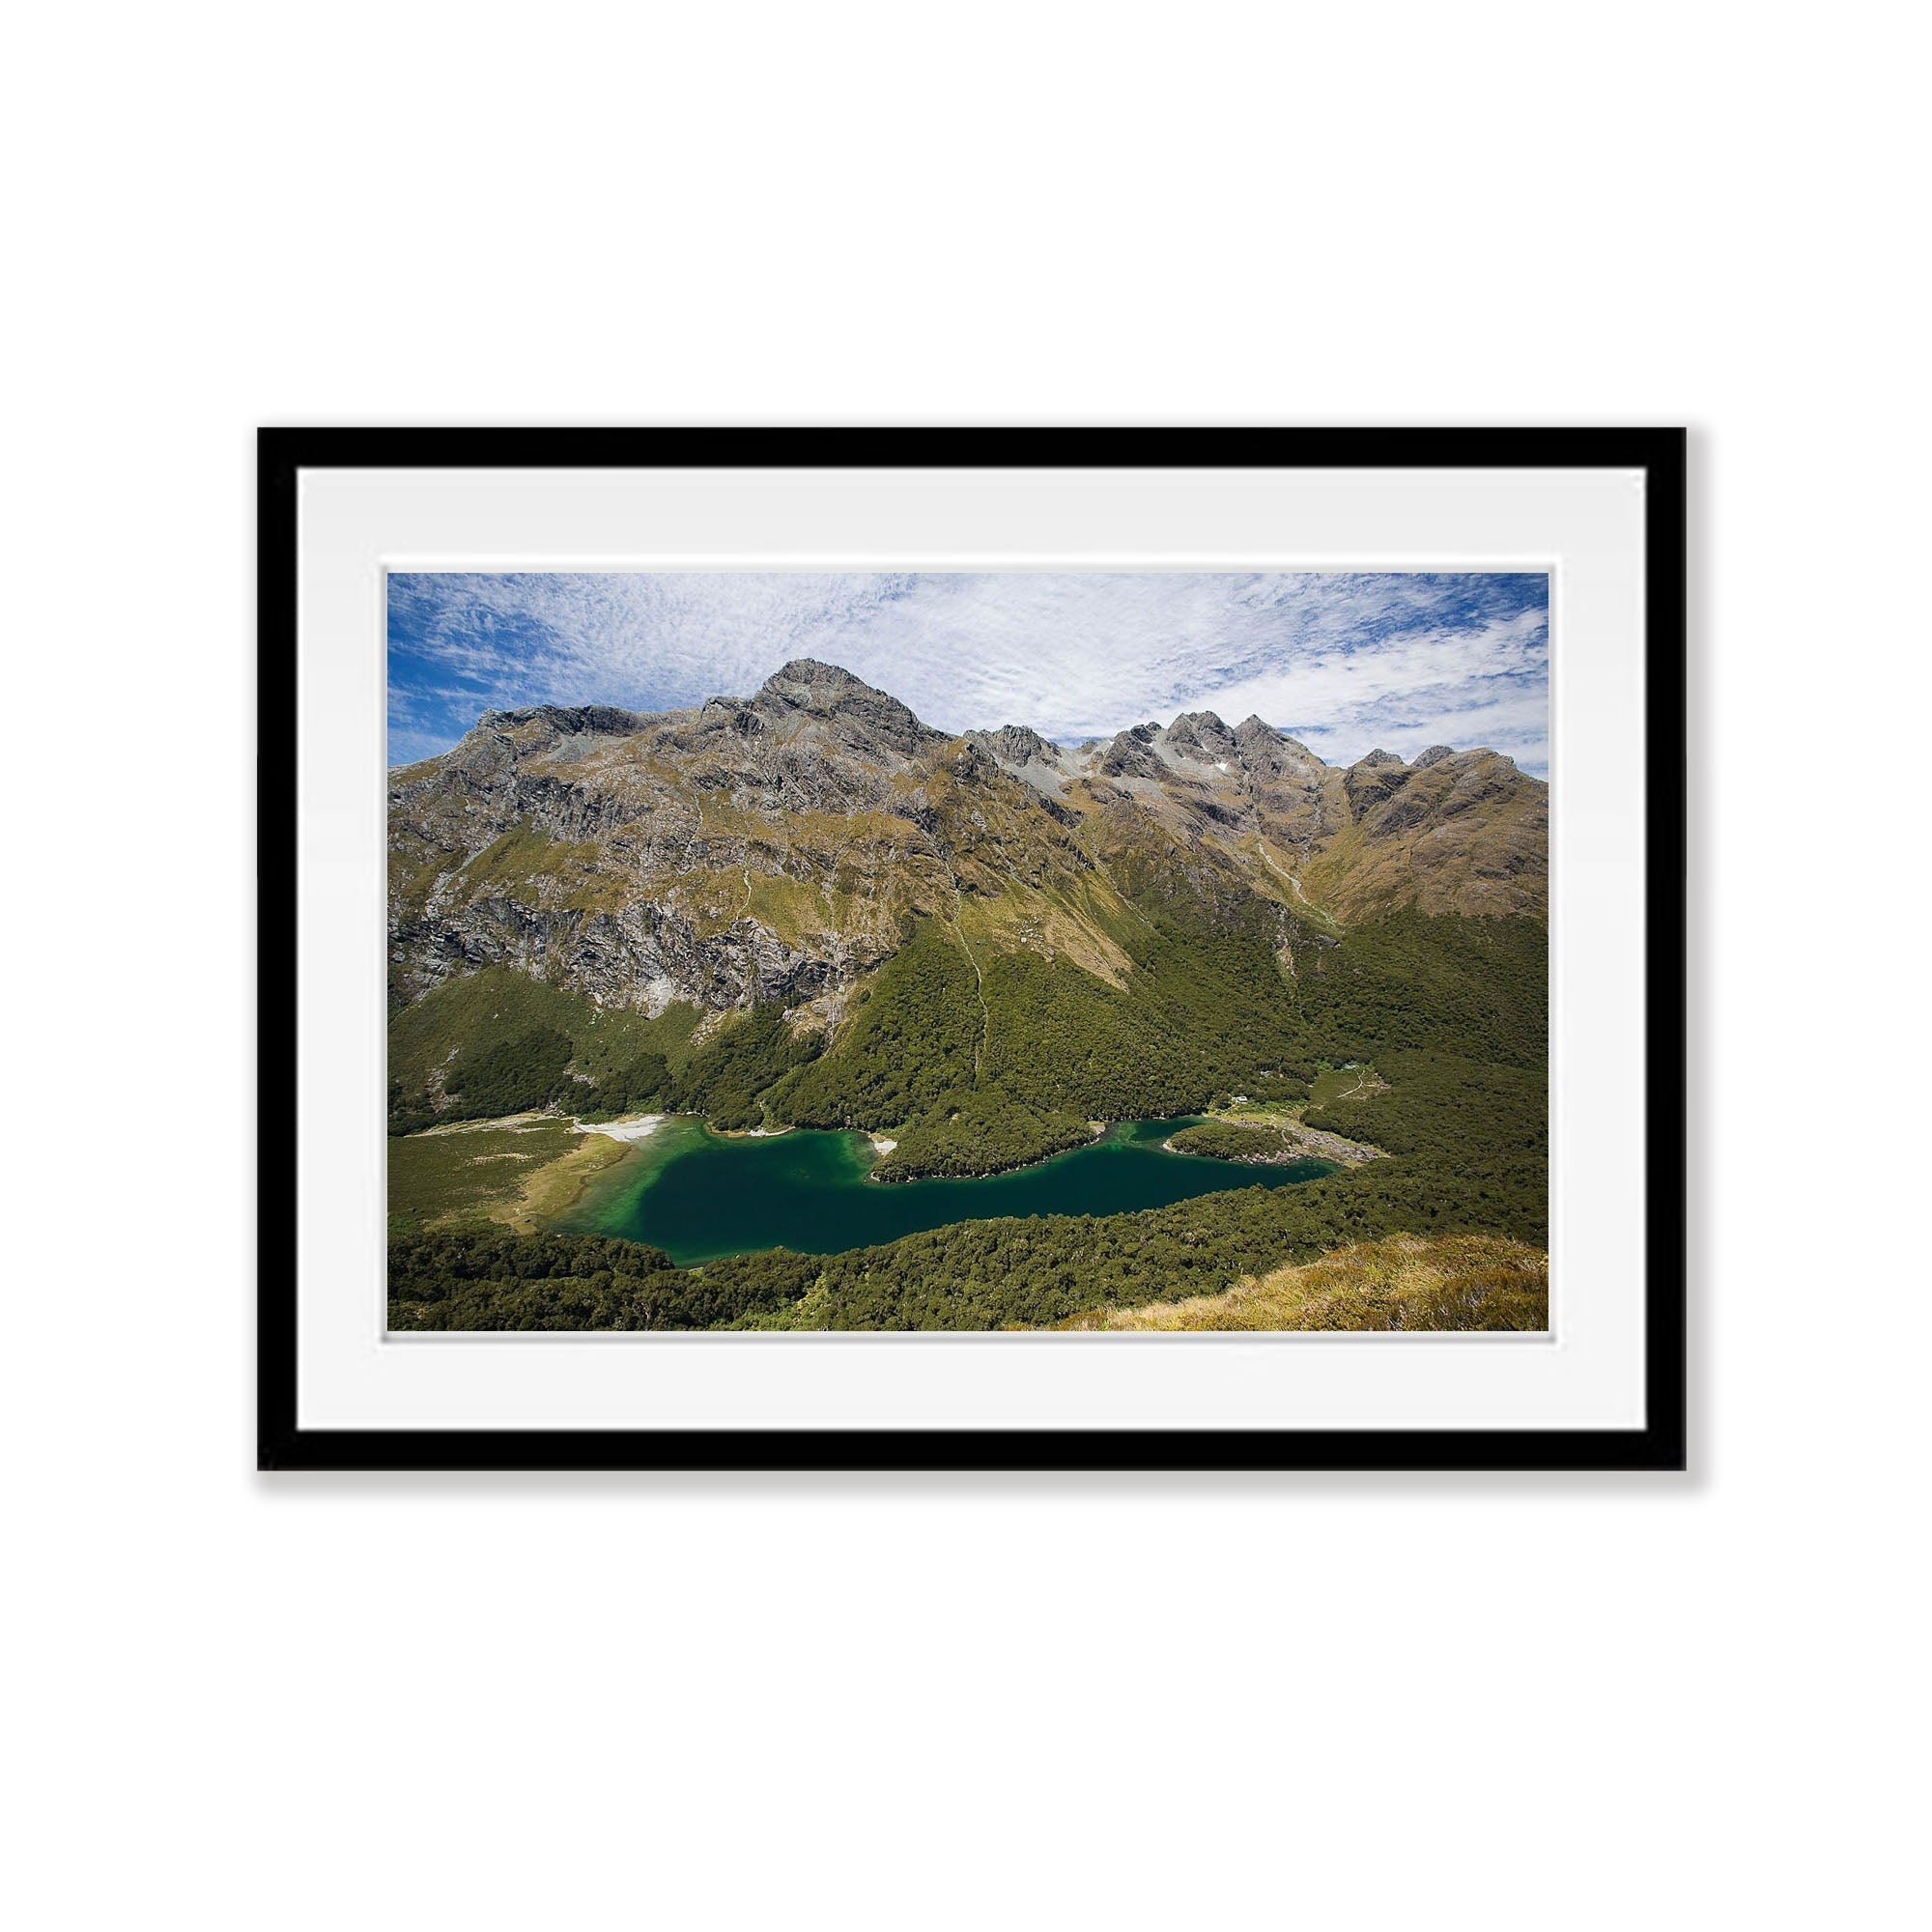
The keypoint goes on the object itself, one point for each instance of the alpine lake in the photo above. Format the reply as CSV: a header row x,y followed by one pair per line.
x,y
698,1194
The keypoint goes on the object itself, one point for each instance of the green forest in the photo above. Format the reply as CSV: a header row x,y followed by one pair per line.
x,y
976,1075
1232,1140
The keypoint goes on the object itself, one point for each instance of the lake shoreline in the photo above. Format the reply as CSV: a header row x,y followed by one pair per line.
x,y
631,1130
1100,1130
701,1195
804,1189
556,1189
644,1127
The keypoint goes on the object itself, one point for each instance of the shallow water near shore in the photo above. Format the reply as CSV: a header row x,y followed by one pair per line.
x,y
698,1195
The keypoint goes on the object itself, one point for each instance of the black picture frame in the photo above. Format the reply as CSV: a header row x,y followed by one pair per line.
x,y
1659,1444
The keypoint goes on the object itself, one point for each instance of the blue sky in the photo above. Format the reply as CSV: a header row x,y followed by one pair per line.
x,y
1345,662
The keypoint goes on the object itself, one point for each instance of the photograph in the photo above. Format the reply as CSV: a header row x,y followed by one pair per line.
x,y
968,952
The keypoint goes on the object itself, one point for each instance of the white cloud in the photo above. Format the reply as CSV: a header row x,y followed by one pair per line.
x,y
1344,661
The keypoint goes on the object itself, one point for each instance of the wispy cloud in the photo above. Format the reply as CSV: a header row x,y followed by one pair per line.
x,y
1346,661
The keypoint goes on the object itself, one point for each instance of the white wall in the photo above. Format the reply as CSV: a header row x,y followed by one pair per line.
x,y
1347,1703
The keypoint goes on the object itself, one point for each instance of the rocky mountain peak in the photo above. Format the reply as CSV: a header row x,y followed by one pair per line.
x,y
1267,753
830,692
1202,734
1373,780
810,685
1131,755
568,721
1435,756
1016,743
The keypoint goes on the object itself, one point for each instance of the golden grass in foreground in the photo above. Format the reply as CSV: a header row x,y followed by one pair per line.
x,y
1459,1281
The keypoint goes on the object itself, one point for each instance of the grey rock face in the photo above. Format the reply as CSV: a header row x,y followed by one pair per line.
x,y
1014,745
1272,757
641,956
1131,755
806,688
566,720
1200,734
1372,780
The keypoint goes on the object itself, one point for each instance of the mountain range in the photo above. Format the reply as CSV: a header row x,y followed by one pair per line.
x,y
780,848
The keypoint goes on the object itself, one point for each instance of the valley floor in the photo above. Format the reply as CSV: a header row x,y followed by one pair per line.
x,y
522,1170
525,1171
518,1171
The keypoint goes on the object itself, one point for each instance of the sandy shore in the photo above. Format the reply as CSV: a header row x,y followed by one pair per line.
x,y
521,1122
639,1127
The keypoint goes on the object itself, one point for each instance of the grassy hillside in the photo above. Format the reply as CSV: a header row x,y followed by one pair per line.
x,y
497,1042
498,1013
1463,1281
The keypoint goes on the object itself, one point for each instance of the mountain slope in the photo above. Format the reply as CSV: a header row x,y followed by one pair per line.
x,y
1462,1281
772,848
983,941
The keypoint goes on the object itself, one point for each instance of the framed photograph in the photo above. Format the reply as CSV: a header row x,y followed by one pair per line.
x,y
971,949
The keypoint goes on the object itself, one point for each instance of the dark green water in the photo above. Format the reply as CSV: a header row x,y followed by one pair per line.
x,y
698,1195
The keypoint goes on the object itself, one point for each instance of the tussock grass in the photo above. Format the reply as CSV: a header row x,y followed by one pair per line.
x,y
1461,1281
472,1173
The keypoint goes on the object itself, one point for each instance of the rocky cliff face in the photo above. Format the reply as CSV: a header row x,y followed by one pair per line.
x,y
775,847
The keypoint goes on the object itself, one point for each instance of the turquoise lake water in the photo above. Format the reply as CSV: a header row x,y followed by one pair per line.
x,y
698,1195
